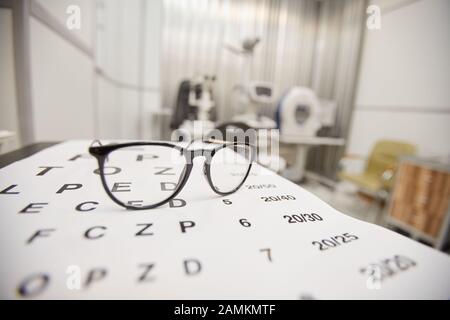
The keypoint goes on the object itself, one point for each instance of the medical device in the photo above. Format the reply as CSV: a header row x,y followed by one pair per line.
x,y
301,113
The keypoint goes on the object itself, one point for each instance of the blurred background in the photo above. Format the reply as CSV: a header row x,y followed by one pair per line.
x,y
359,90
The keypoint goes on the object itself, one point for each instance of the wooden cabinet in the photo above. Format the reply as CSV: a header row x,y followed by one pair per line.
x,y
420,199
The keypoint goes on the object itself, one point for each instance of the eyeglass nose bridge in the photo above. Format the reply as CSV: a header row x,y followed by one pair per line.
x,y
207,153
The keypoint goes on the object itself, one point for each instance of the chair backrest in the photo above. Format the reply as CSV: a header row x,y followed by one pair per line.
x,y
181,110
385,155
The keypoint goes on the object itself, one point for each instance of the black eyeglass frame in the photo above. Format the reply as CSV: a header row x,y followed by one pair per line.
x,y
101,153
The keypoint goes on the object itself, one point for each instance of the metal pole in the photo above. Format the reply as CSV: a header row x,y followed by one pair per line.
x,y
22,65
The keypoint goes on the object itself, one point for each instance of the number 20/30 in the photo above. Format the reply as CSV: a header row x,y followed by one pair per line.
x,y
303,217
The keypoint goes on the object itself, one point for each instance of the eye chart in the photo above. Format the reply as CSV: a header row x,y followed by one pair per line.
x,y
61,236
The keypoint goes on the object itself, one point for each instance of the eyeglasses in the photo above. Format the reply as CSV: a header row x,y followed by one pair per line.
x,y
145,175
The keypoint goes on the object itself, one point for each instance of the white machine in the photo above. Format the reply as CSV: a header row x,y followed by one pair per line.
x,y
251,97
300,115
250,100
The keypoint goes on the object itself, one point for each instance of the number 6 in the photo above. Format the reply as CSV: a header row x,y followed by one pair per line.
x,y
245,223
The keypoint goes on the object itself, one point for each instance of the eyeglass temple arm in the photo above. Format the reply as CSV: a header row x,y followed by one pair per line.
x,y
216,141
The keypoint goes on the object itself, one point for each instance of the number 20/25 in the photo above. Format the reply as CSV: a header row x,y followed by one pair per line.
x,y
334,241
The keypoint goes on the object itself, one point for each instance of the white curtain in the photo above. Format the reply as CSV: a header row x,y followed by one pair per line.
x,y
303,43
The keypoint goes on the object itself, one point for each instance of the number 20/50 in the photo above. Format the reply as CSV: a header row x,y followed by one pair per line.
x,y
277,198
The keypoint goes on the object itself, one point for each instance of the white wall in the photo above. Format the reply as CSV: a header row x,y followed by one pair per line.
x,y
152,65
62,81
62,75
121,49
69,100
117,55
8,100
57,8
404,82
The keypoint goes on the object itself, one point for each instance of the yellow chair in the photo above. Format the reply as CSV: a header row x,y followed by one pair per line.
x,y
380,167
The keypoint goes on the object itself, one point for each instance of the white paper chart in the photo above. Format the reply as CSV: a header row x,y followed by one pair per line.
x,y
62,237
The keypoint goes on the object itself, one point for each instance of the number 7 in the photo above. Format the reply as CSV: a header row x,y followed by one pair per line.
x,y
269,255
